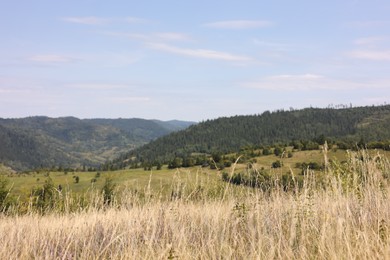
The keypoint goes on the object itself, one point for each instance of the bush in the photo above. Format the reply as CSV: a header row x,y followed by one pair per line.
x,y
266,151
251,177
4,191
277,164
108,191
45,197
227,163
297,145
217,166
309,145
278,151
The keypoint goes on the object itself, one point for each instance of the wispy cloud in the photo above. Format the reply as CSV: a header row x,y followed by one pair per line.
x,y
298,77
199,53
369,24
94,20
13,91
370,41
374,48
135,20
377,100
52,58
239,24
104,59
307,82
372,55
152,37
171,36
88,20
128,99
99,86
271,45
114,59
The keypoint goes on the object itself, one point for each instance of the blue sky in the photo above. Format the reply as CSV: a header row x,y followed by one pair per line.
x,y
190,60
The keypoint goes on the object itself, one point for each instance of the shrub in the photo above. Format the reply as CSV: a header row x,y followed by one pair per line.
x,y
278,151
4,191
266,151
76,179
108,191
45,196
277,164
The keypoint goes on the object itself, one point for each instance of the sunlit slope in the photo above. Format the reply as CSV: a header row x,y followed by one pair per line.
x,y
229,134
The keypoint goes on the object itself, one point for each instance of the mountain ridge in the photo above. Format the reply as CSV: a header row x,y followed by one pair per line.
x,y
229,134
43,141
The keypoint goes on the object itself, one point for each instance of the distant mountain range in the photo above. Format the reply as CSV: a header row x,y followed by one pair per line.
x,y
229,134
33,142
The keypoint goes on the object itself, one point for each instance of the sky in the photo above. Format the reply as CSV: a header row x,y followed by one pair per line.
x,y
190,60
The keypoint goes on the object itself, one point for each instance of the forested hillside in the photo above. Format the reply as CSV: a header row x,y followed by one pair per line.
x,y
229,134
71,142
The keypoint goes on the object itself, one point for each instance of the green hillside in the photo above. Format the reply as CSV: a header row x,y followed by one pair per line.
x,y
71,142
229,134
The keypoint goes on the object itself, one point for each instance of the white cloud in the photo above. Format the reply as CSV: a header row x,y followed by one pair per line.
x,y
377,100
369,24
52,58
13,91
94,20
309,82
152,37
199,53
373,55
108,59
297,77
370,41
119,59
272,45
134,20
239,24
169,36
89,20
98,86
128,99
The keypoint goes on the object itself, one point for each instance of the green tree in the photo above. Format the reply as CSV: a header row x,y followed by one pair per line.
x,y
158,166
175,163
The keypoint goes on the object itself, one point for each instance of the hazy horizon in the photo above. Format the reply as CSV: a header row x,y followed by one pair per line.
x,y
332,106
190,60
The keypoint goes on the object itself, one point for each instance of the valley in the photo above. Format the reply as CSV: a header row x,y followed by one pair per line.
x,y
208,190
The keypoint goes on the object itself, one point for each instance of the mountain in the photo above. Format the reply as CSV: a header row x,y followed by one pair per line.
x,y
32,142
174,125
229,134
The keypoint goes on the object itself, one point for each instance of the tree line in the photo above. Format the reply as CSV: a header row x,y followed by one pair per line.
x,y
306,128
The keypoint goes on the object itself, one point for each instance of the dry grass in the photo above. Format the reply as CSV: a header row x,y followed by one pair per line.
x,y
348,218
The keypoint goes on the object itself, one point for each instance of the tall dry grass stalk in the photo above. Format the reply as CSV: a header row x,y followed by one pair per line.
x,y
346,217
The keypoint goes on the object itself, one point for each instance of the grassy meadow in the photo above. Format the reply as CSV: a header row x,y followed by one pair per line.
x,y
189,213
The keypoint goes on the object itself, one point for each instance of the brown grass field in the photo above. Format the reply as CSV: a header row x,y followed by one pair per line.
x,y
346,217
